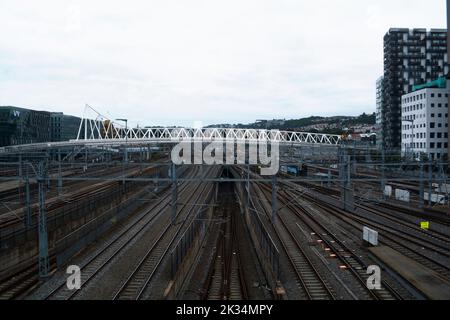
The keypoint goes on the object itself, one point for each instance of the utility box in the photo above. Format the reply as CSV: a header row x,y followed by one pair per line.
x,y
387,191
402,195
435,198
370,236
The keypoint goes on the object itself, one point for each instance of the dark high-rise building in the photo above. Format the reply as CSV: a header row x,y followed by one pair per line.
x,y
64,127
411,57
23,126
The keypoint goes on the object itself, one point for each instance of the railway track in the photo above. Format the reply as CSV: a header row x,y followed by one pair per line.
x,y
431,214
308,276
346,255
136,283
435,241
54,201
26,278
342,251
98,262
391,238
21,282
432,239
406,231
15,195
226,279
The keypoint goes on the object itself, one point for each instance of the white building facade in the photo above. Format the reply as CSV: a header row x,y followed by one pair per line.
x,y
425,123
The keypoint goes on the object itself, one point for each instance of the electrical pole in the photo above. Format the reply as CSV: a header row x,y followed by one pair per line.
x,y
44,266
274,199
174,193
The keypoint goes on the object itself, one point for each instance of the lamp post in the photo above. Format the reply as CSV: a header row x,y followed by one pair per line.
x,y
126,138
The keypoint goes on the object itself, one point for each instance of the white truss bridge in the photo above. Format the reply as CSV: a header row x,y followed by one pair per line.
x,y
100,130
105,132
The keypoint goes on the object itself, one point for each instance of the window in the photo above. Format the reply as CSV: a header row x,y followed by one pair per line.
x,y
439,145
439,125
432,115
432,125
439,95
432,95
431,145
432,105
445,144
439,135
439,105
432,135
439,115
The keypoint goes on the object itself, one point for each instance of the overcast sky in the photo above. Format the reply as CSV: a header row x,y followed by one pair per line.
x,y
166,62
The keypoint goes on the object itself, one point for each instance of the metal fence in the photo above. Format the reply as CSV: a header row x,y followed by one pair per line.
x,y
266,243
196,230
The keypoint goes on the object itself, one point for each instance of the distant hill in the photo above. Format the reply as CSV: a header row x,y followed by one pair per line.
x,y
332,125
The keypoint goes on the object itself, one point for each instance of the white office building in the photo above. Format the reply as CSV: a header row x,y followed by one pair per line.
x,y
425,121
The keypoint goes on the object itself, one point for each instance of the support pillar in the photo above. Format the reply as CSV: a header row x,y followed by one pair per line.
x,y
156,181
383,181
430,181
421,188
347,192
141,157
27,208
20,164
72,158
248,187
274,199
174,193
60,184
44,266
329,179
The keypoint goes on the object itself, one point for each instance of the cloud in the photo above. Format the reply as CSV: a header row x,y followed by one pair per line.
x,y
176,62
